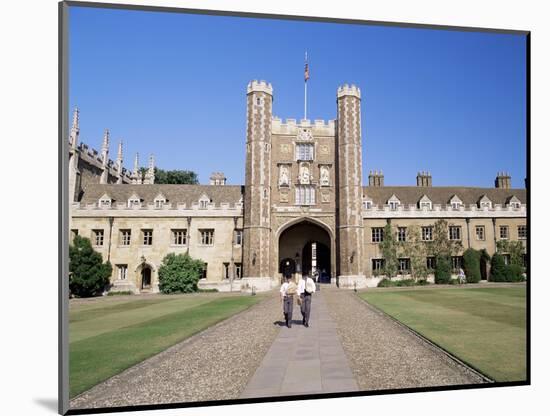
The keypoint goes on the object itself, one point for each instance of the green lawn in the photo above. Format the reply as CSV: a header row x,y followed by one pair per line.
x,y
484,327
108,336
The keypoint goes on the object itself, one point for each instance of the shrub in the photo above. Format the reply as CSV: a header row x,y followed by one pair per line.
x,y
422,282
406,282
212,290
514,273
179,273
385,283
120,293
442,270
498,269
471,265
88,274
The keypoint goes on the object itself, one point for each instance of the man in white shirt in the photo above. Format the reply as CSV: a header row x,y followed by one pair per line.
x,y
306,288
288,289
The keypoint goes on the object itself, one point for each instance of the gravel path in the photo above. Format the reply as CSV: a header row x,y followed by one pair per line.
x,y
213,365
383,355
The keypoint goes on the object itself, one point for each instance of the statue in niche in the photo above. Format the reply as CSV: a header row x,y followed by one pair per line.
x,y
325,179
283,175
304,174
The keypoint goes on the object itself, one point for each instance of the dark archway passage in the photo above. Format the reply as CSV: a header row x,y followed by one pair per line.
x,y
295,243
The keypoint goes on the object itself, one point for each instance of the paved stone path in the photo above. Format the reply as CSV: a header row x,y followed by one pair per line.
x,y
304,360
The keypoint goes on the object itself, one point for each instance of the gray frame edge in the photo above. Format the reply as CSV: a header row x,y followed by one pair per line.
x,y
63,210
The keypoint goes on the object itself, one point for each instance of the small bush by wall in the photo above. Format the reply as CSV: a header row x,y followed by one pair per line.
x,y
442,270
498,268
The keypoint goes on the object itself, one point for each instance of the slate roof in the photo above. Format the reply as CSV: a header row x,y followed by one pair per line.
x,y
410,195
175,194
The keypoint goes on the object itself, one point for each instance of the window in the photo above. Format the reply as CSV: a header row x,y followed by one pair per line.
x,y
304,151
377,265
97,236
104,203
515,205
204,271
454,232
404,265
425,205
74,233
480,232
506,258
203,203
134,202
122,271
522,232
238,237
207,237
258,101
377,234
456,262
125,237
147,237
394,205
367,204
159,203
179,237
238,269
305,195
427,233
455,205
504,232
430,263
226,270
401,233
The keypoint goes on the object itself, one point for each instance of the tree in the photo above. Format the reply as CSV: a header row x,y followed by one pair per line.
x,y
179,273
388,247
515,249
415,250
472,265
441,245
88,274
498,268
176,177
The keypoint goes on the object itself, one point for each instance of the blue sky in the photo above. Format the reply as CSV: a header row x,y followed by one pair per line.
x,y
452,103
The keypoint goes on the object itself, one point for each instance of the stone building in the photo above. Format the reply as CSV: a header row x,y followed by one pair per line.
x,y
303,207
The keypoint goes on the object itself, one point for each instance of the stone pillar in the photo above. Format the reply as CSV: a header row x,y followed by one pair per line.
x,y
257,193
119,163
74,173
349,199
105,158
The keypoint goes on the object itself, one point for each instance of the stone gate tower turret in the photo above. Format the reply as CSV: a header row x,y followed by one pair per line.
x,y
349,189
257,194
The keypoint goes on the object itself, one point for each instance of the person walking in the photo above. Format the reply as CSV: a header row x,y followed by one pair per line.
x,y
306,288
288,290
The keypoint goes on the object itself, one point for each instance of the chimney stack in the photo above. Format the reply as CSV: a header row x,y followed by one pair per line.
x,y
376,178
503,180
424,179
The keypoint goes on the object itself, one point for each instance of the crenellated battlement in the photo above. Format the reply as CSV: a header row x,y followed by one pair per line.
x,y
291,126
261,86
349,90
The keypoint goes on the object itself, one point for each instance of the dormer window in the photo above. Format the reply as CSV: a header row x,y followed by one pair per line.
x,y
160,200
425,203
394,203
485,202
134,201
367,204
203,202
105,201
456,203
514,202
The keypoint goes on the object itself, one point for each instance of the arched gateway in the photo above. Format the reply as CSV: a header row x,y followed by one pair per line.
x,y
306,247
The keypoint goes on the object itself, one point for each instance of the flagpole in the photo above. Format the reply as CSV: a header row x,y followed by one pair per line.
x,y
305,89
